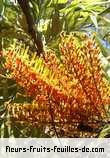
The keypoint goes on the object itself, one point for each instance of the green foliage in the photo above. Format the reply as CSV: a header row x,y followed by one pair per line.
x,y
105,133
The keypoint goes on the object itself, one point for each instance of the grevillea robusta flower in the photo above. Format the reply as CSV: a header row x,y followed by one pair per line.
x,y
67,91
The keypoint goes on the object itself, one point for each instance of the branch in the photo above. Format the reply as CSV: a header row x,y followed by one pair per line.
x,y
24,4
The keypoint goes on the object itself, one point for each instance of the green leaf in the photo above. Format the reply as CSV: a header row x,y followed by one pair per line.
x,y
105,51
95,2
1,6
62,1
94,20
105,11
52,3
105,132
58,1
104,19
35,9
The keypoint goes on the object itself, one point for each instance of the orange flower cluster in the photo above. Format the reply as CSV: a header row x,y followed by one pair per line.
x,y
70,90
